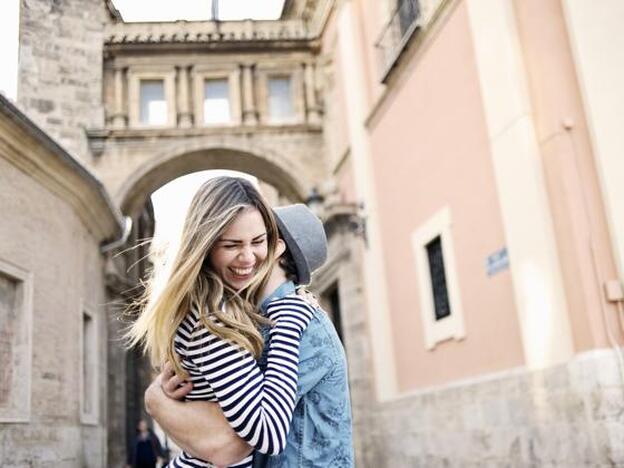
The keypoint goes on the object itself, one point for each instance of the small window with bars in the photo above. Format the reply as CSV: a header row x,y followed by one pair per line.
x,y
437,279
435,257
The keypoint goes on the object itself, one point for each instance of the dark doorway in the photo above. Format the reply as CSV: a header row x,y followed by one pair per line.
x,y
330,300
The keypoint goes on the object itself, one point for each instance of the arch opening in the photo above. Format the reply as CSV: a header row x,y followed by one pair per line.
x,y
137,189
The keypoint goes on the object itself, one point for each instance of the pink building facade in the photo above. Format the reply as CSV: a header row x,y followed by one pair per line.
x,y
481,137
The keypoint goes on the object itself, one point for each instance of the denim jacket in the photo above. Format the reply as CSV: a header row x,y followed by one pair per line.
x,y
321,432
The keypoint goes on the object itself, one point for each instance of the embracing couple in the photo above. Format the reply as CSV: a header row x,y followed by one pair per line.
x,y
255,374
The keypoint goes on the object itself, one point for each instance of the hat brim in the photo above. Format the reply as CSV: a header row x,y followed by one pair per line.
x,y
303,269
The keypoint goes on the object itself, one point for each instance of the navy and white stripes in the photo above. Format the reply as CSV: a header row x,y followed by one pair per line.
x,y
258,407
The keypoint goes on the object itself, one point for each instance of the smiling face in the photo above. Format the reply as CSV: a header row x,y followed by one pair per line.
x,y
241,249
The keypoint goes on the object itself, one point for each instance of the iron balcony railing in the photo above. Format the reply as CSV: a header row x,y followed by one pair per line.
x,y
402,24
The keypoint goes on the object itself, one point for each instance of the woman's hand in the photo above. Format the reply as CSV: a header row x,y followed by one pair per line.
x,y
174,387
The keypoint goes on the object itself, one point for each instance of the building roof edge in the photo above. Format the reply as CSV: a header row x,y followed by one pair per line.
x,y
13,113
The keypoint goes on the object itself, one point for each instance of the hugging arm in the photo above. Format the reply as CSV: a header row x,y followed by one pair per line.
x,y
259,407
198,427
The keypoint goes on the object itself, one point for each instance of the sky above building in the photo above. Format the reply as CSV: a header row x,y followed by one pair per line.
x,y
149,10
171,202
132,10
9,26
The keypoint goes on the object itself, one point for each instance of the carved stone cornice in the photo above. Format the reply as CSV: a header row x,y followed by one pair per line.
x,y
302,24
219,32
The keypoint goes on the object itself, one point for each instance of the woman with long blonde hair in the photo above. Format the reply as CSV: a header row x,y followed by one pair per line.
x,y
204,320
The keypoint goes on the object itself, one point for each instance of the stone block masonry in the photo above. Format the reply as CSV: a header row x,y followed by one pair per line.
x,y
60,72
568,415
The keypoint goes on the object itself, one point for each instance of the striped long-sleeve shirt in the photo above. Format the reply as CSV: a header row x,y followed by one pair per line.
x,y
258,407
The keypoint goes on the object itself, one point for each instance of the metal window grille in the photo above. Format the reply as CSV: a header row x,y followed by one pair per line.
x,y
403,22
442,307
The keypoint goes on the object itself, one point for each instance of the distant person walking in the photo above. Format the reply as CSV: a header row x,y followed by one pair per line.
x,y
145,450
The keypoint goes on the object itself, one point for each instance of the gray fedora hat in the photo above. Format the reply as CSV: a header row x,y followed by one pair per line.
x,y
305,238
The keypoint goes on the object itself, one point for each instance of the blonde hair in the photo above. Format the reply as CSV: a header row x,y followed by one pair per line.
x,y
191,282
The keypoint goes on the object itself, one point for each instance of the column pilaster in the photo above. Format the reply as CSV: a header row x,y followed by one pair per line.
x,y
313,111
120,117
185,119
250,115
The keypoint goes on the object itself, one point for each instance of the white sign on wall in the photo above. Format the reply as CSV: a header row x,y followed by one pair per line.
x,y
496,262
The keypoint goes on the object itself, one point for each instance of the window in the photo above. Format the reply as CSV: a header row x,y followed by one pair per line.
x,y
153,109
89,369
280,105
217,101
8,322
435,256
440,303
15,343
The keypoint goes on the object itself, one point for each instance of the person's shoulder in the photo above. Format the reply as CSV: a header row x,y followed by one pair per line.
x,y
293,300
291,304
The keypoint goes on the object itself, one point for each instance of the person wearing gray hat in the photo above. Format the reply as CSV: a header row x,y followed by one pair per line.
x,y
305,240
321,434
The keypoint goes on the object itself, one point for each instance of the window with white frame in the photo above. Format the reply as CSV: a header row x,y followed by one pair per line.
x,y
153,103
280,100
89,368
440,301
15,343
217,101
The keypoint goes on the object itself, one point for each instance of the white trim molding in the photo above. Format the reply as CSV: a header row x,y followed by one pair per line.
x,y
596,36
19,331
379,319
518,171
451,326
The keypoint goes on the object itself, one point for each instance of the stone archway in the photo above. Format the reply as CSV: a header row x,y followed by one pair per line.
x,y
270,168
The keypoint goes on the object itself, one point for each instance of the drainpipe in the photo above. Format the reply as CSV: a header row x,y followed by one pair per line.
x,y
122,239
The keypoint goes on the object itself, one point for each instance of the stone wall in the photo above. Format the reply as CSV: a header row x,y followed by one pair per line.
x,y
60,68
53,319
42,235
569,415
343,270
131,165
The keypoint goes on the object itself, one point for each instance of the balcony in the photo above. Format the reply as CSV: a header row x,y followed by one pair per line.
x,y
404,21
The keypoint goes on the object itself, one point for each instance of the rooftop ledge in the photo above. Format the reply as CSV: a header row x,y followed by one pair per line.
x,y
183,31
111,133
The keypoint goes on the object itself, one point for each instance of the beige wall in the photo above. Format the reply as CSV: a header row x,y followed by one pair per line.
x,y
430,150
